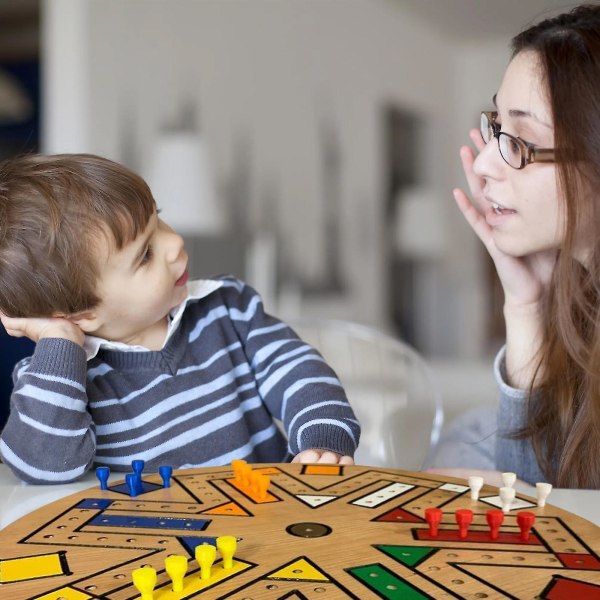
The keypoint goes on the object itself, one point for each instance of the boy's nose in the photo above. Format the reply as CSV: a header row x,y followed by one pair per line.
x,y
176,244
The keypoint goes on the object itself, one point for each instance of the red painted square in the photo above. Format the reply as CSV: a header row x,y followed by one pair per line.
x,y
579,561
569,589
483,537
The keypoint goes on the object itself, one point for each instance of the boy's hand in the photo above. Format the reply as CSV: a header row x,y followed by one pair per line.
x,y
322,456
37,328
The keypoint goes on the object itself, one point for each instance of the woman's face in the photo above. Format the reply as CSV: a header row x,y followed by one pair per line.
x,y
523,206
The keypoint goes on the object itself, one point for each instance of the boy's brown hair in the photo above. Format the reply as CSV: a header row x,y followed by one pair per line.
x,y
53,211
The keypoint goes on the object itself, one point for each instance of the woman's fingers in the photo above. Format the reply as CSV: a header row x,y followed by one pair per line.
x,y
477,140
474,182
473,217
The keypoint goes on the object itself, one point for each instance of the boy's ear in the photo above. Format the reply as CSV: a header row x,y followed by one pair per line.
x,y
86,320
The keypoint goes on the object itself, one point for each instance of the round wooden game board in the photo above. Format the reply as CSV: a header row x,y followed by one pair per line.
x,y
320,532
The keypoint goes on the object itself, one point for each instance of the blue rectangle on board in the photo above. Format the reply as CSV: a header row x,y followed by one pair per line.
x,y
136,521
190,542
98,503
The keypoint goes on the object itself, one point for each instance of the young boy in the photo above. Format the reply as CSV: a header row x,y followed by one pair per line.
x,y
132,361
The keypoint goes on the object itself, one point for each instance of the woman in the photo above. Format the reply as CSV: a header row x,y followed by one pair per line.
x,y
535,186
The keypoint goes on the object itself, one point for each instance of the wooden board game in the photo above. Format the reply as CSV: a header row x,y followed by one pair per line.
x,y
319,532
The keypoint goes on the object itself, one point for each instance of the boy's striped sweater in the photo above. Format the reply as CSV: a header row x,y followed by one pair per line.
x,y
209,396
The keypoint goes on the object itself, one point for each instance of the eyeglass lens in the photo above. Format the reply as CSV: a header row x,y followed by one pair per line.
x,y
510,149
486,129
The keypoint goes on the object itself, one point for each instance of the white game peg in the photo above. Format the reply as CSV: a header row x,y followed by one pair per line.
x,y
509,479
543,491
507,495
475,483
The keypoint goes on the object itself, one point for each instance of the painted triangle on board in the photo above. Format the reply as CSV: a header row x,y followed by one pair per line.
x,y
399,515
407,555
563,587
300,569
314,500
293,595
230,509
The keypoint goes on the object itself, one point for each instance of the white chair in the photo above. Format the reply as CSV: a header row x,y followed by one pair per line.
x,y
389,386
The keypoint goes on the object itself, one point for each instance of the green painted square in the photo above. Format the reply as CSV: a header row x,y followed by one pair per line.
x,y
386,584
407,555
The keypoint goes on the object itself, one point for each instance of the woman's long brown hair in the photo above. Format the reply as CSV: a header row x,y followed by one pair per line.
x,y
564,417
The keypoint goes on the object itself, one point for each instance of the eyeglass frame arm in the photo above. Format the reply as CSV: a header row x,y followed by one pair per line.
x,y
532,153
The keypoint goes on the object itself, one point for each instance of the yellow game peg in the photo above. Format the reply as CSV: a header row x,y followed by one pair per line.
x,y
176,567
205,557
227,545
144,579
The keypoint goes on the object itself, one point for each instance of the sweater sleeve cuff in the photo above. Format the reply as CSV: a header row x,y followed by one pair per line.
x,y
59,357
338,438
500,375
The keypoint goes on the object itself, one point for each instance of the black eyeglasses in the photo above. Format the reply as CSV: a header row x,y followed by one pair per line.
x,y
516,152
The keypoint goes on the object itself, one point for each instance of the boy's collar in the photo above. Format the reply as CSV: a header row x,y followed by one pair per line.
x,y
197,289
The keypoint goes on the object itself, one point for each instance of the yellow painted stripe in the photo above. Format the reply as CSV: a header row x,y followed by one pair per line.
x,y
30,567
66,593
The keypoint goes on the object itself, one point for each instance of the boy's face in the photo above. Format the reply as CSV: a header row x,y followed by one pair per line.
x,y
139,285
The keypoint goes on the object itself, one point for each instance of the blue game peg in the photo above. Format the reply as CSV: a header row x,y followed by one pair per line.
x,y
102,474
165,472
137,466
133,482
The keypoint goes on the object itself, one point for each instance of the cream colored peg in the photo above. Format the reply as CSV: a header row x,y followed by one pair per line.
x,y
475,483
543,491
507,495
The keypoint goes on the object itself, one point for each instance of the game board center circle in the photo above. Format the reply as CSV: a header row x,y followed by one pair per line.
x,y
308,530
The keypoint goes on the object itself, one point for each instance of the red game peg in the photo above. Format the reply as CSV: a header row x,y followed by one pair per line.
x,y
464,517
525,521
494,518
433,516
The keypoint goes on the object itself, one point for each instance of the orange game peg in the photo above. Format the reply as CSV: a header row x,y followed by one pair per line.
x,y
433,516
254,477
227,545
464,517
245,476
205,556
176,567
525,520
494,518
263,483
144,580
237,466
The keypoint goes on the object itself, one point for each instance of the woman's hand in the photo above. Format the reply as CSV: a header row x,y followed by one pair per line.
x,y
37,328
322,456
523,279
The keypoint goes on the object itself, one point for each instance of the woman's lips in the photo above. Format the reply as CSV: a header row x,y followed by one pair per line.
x,y
501,210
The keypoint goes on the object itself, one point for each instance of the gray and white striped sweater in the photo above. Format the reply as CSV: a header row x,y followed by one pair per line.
x,y
209,396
